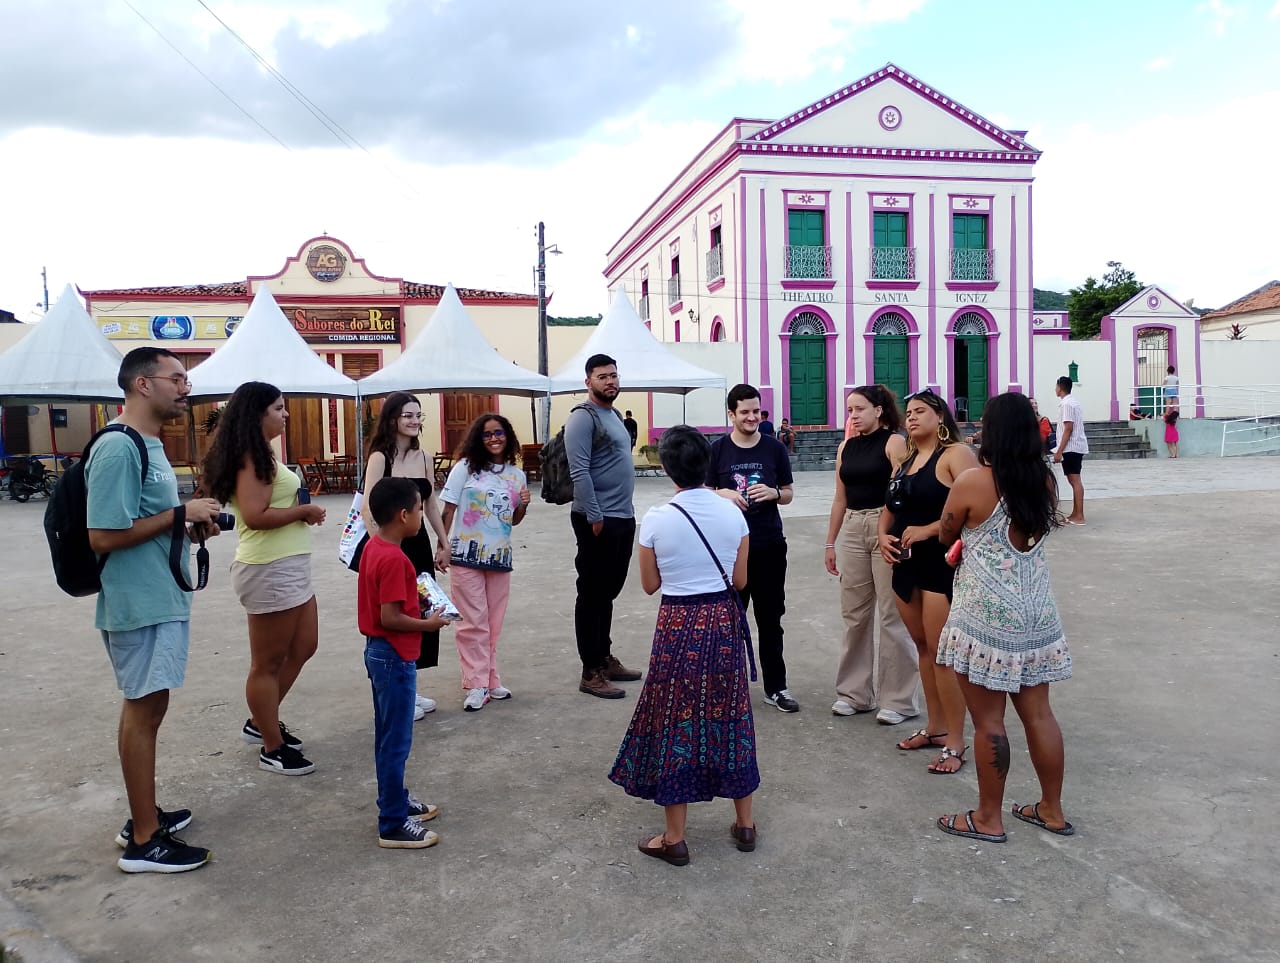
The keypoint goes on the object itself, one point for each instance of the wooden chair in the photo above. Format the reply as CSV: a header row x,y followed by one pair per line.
x,y
440,465
313,476
342,474
531,462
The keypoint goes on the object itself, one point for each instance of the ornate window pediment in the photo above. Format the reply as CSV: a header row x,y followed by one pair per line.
x,y
806,322
890,324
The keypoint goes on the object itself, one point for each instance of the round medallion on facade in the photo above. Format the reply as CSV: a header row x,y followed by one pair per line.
x,y
326,262
1153,301
890,117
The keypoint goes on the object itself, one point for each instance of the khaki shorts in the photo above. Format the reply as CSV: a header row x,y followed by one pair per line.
x,y
274,587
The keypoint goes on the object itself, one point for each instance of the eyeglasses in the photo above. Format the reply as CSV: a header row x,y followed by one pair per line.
x,y
177,380
496,433
409,417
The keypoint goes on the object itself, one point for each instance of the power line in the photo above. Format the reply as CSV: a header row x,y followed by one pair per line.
x,y
212,83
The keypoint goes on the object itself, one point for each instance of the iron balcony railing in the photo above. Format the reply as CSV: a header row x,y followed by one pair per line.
x,y
673,290
972,264
715,263
644,307
808,261
893,263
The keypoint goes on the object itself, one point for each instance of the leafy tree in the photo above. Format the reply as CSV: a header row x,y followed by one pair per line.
x,y
1091,301
1042,300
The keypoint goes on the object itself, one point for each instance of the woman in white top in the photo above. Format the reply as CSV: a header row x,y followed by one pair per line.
x,y
692,737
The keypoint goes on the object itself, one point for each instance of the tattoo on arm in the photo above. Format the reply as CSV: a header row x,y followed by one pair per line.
x,y
1000,755
947,528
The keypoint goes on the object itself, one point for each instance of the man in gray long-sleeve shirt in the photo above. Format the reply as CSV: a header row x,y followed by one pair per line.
x,y
598,447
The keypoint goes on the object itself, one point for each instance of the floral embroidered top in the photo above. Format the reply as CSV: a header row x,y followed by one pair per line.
x,y
486,503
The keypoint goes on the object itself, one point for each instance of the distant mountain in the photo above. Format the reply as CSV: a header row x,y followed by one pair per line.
x,y
1048,300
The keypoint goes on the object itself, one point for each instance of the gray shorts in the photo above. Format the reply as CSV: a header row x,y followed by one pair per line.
x,y
273,587
150,659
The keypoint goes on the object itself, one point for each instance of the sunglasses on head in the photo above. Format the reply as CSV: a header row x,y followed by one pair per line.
x,y
926,395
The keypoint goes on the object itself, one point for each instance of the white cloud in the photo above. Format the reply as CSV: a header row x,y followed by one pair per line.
x,y
1219,13
1159,63
1274,12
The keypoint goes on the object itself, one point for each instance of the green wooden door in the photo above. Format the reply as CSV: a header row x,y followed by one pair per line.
x,y
973,378
808,367
890,363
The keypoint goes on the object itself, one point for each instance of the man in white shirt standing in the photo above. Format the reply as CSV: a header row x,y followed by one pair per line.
x,y
1072,446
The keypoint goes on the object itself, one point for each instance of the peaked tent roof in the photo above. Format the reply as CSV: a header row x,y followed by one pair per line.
x,y
266,347
644,362
63,358
452,355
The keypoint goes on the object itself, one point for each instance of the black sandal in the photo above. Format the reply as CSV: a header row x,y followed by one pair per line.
x,y
929,743
948,753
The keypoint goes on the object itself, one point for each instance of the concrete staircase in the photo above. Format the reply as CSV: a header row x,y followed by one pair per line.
x,y
816,447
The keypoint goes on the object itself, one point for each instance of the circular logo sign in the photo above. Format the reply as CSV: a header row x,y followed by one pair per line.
x,y
1153,302
326,262
890,117
171,328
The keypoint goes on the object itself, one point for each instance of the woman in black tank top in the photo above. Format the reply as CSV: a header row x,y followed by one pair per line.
x,y
921,576
864,463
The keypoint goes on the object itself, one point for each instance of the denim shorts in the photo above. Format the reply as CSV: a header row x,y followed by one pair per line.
x,y
150,659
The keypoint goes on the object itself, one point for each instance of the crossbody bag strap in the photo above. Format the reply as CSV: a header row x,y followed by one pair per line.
x,y
177,542
728,583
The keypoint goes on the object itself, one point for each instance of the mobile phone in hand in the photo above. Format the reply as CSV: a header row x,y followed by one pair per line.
x,y
304,496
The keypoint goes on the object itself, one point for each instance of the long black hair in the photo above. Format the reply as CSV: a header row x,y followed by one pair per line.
x,y
384,432
239,433
477,455
1013,450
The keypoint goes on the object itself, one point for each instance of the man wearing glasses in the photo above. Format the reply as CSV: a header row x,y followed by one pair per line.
x,y
598,447
142,613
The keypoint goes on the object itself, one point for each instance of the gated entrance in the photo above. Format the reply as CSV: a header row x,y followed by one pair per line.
x,y
1153,363
971,367
807,365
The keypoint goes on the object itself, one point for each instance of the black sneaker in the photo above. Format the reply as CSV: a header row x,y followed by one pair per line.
x,y
782,701
412,835
253,737
286,760
421,811
169,822
162,853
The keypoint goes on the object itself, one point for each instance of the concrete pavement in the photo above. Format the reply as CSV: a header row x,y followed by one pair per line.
x,y
1169,602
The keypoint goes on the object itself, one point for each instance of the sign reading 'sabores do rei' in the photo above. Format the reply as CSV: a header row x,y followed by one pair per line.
x,y
346,325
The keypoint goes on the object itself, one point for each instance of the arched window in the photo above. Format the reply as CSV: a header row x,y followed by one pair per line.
x,y
891,324
806,322
717,330
971,323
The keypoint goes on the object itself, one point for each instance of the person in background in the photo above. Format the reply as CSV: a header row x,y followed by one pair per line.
x,y
787,435
1136,413
389,614
1003,635
692,737
597,445
1072,446
1048,436
394,452
754,472
766,426
1171,431
633,429
142,613
271,573
484,496
922,578
864,465
1171,388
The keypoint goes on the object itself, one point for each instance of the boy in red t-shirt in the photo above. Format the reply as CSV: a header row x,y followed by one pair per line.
x,y
388,610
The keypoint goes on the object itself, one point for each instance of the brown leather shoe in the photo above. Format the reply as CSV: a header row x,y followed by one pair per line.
x,y
615,671
677,854
746,837
597,685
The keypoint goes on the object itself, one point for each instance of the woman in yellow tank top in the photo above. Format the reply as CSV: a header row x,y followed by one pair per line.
x,y
272,570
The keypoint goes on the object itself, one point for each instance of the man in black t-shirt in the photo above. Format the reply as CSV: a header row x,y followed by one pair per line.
x,y
753,471
633,429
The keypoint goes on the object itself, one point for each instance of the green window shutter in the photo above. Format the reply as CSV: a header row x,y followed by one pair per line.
x,y
805,228
969,231
890,229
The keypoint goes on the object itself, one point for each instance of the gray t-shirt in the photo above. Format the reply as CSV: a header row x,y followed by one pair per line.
x,y
137,587
604,477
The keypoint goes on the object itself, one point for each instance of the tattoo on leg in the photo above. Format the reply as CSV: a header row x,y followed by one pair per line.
x,y
1000,750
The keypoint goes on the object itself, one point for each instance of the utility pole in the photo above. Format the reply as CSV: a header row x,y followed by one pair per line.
x,y
44,276
543,251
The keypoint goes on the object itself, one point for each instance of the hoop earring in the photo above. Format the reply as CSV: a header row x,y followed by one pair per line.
x,y
944,434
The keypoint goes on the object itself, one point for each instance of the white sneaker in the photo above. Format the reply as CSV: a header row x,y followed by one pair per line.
x,y
842,708
891,717
419,713
425,704
499,692
475,700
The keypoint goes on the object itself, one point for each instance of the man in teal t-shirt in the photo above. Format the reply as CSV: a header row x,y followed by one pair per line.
x,y
142,613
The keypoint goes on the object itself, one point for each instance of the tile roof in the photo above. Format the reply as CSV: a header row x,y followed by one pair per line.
x,y
434,292
412,290
1263,299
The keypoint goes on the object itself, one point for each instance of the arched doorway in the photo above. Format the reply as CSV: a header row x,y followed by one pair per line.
x,y
1152,364
807,365
890,363
972,366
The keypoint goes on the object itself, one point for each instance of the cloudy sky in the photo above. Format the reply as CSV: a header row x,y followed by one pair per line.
x,y
185,141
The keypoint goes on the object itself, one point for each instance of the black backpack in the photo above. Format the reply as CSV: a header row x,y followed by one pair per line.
x,y
557,486
66,522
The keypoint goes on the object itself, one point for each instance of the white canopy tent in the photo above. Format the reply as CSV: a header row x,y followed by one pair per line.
x,y
452,355
266,347
63,358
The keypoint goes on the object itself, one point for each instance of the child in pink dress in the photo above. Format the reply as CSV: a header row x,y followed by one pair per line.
x,y
1171,431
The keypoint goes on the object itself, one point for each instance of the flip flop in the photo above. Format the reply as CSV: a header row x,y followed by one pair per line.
x,y
929,737
971,832
943,757
1035,820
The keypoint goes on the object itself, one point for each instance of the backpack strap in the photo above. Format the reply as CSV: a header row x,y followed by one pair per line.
x,y
599,433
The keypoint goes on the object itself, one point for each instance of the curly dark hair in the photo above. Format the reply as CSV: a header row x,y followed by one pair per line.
x,y
1013,450
239,435
472,445
882,397
384,432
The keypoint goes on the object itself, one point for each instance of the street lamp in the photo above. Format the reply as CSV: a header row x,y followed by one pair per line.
x,y
543,251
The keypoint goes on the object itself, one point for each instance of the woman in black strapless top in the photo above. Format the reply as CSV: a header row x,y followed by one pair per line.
x,y
921,576
865,461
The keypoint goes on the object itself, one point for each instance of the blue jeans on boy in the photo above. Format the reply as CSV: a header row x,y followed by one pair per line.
x,y
394,683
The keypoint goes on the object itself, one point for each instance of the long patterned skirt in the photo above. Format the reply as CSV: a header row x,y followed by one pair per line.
x,y
692,737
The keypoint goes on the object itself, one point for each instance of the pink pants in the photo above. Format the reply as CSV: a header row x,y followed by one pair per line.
x,y
481,598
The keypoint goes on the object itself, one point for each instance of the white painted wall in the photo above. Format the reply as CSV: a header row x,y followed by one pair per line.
x,y
1093,391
